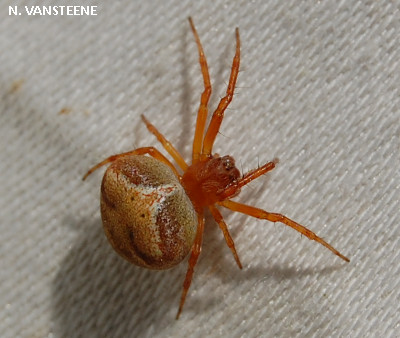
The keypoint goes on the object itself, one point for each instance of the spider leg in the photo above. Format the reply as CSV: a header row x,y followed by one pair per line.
x,y
205,97
166,144
139,151
247,178
272,217
196,249
229,241
218,115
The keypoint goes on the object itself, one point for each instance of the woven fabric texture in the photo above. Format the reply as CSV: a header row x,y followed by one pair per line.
x,y
318,88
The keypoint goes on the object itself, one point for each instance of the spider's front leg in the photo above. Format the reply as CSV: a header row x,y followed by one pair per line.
x,y
233,189
262,214
273,217
218,115
205,98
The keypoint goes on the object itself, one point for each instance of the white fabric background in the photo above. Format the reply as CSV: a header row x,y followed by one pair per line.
x,y
318,88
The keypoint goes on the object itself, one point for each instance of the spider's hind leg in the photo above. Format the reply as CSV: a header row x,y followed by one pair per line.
x,y
194,256
139,151
229,241
166,144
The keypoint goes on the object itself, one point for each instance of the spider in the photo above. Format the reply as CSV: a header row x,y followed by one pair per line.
x,y
153,213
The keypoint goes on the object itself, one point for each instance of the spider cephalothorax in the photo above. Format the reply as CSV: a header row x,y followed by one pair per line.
x,y
205,182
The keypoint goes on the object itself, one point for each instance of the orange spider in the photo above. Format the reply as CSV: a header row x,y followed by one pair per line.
x,y
153,216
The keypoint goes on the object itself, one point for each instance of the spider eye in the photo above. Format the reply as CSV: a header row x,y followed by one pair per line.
x,y
228,163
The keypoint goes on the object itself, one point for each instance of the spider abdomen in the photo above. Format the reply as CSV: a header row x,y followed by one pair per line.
x,y
147,216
